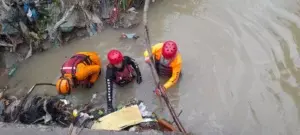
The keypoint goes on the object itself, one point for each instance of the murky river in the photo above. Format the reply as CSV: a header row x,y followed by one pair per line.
x,y
241,65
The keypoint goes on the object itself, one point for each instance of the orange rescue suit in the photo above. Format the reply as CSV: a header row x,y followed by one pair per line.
x,y
174,66
84,70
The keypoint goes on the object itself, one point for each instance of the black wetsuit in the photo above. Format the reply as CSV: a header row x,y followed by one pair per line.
x,y
111,76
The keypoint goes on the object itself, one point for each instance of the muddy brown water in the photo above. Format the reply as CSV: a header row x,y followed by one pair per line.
x,y
240,65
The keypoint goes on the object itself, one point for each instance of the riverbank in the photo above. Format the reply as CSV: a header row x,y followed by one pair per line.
x,y
75,20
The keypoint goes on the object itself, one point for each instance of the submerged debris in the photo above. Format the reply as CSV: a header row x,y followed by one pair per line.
x,y
57,111
129,36
46,110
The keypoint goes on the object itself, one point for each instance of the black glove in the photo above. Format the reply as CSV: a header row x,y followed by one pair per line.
x,y
139,79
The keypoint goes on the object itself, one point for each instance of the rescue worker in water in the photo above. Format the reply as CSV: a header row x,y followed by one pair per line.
x,y
83,68
167,62
120,70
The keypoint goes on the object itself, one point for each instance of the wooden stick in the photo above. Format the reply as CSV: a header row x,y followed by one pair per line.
x,y
146,7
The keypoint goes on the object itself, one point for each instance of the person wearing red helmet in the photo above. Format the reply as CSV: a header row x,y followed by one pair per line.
x,y
167,62
120,70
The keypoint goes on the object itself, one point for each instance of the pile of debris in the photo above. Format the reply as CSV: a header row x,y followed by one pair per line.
x,y
27,26
31,22
46,110
57,111
132,116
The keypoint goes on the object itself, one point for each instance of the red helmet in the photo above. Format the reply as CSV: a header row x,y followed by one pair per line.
x,y
114,56
169,49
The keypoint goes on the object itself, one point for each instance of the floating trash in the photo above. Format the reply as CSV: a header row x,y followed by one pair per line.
x,y
129,36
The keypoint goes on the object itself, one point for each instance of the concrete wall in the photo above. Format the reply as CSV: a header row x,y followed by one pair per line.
x,y
8,129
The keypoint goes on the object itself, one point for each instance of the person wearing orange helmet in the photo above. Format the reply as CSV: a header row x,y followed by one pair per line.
x,y
167,62
120,70
83,68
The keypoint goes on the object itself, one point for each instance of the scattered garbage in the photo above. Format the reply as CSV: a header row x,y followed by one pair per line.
x,y
33,23
129,19
129,36
6,103
132,116
45,110
12,70
58,111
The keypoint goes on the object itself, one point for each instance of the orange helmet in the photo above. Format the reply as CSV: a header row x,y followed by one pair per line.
x,y
64,85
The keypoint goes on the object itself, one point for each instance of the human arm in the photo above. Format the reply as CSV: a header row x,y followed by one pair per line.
x,y
109,89
154,50
84,71
176,69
